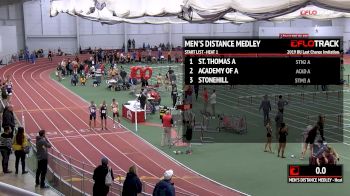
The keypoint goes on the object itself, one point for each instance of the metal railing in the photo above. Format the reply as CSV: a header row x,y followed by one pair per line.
x,y
69,176
12,190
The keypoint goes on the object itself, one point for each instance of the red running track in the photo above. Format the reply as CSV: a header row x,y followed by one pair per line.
x,y
48,105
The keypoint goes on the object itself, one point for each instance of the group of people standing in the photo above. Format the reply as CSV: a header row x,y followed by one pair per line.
x,y
281,127
310,134
103,114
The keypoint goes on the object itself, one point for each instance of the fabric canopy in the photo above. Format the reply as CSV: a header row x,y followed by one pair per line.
x,y
200,11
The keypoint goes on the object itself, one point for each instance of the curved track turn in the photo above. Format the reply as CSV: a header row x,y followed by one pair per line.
x,y
48,105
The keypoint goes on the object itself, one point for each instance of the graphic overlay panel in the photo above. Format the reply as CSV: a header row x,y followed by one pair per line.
x,y
315,174
305,72
242,57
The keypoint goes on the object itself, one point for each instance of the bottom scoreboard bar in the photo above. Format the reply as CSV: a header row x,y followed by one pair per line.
x,y
337,179
315,174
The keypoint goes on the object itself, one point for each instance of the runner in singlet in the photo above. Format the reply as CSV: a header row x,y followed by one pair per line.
x,y
103,110
115,112
9,89
49,56
92,111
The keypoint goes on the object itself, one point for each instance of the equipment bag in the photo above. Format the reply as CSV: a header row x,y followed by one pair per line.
x,y
108,179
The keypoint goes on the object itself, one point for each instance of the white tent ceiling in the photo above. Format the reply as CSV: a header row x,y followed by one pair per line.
x,y
183,11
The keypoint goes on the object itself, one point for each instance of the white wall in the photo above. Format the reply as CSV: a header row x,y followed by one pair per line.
x,y
45,32
42,31
92,34
345,23
12,15
8,41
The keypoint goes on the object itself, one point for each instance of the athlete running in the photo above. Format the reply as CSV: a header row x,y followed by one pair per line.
x,y
9,88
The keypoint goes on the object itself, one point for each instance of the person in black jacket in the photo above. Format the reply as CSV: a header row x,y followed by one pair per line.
x,y
320,124
132,184
5,148
8,119
165,187
196,90
42,155
100,188
143,98
174,94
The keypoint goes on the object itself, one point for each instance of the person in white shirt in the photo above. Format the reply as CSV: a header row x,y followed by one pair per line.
x,y
212,101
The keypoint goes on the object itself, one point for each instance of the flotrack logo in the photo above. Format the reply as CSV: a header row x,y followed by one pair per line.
x,y
308,12
304,43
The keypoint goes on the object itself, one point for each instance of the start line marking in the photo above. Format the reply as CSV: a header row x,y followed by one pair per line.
x,y
143,178
75,134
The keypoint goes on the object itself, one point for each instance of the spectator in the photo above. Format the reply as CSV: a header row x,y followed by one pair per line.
x,y
63,68
188,94
320,148
82,80
165,187
18,145
159,79
100,188
281,103
212,101
26,55
172,77
279,121
4,95
33,57
74,80
139,56
167,121
49,56
169,56
170,72
144,82
143,98
283,132
174,94
59,72
320,124
268,135
327,158
5,148
81,68
8,119
166,82
310,136
123,74
132,184
75,66
334,153
205,99
266,106
42,145
196,90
